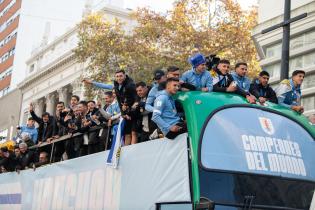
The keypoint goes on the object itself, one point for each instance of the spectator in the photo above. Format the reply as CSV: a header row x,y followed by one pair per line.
x,y
111,112
26,137
125,91
312,119
27,158
47,126
159,78
62,129
29,129
17,151
165,114
145,125
6,160
261,89
94,113
173,72
43,159
243,81
17,157
198,76
222,79
61,113
74,101
90,138
289,91
73,120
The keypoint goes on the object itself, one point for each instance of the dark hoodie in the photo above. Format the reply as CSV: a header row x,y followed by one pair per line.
x,y
45,130
126,93
260,91
222,82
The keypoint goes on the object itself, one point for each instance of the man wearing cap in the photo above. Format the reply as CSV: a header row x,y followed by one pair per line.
x,y
289,91
159,77
198,76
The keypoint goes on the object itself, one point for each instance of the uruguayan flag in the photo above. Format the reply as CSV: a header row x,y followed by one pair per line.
x,y
10,196
118,139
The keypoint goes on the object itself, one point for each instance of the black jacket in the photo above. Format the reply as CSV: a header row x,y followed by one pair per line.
x,y
27,159
126,93
225,82
45,130
260,91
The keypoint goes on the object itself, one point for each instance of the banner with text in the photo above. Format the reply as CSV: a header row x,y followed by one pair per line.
x,y
256,141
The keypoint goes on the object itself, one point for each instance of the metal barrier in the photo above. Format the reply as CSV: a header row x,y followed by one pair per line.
x,y
70,136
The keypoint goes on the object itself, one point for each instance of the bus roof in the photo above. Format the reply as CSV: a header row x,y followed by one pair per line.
x,y
199,105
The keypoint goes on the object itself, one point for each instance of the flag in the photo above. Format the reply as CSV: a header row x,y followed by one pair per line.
x,y
118,139
11,196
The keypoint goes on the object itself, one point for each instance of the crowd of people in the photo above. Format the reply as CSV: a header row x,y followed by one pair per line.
x,y
149,112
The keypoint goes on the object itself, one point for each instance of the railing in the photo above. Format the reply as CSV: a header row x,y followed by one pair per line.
x,y
72,137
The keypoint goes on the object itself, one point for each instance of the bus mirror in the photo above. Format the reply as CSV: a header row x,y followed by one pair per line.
x,y
205,204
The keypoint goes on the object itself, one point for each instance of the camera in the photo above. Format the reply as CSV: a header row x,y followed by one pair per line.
x,y
212,61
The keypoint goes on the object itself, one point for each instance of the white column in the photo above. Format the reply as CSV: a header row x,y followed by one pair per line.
x,y
39,106
63,95
78,89
50,103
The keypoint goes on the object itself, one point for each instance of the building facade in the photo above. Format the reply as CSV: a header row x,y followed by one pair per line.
x,y
53,74
26,29
302,44
9,21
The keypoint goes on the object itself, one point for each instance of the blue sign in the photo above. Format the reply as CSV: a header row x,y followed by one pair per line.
x,y
255,141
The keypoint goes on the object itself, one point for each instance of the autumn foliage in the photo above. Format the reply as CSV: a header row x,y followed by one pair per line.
x,y
159,40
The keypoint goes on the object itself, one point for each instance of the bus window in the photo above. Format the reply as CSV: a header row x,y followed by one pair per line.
x,y
249,155
250,140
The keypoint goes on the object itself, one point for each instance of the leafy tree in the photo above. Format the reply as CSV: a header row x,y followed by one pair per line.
x,y
159,40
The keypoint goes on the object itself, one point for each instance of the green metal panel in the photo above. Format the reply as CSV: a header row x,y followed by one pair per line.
x,y
199,105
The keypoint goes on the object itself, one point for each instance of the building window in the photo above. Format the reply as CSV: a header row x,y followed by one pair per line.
x,y
273,70
297,42
300,62
3,135
6,73
302,40
309,81
4,91
32,67
295,63
309,59
273,51
308,103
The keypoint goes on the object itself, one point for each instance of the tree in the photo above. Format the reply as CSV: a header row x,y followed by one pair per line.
x,y
157,40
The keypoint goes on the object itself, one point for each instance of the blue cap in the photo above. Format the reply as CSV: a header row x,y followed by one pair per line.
x,y
197,59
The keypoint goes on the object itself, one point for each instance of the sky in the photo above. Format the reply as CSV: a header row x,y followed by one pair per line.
x,y
164,5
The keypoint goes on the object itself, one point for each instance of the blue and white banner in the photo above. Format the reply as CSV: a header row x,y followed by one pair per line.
x,y
142,179
11,196
118,139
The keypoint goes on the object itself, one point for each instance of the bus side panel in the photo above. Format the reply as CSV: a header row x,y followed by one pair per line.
x,y
148,173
